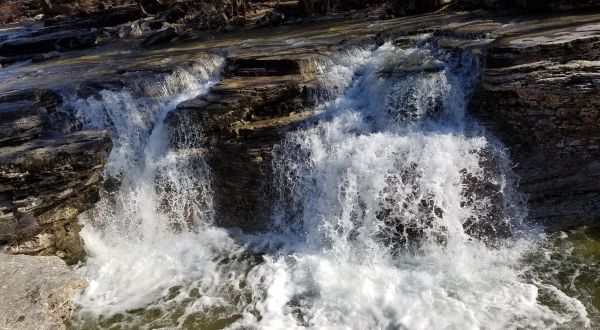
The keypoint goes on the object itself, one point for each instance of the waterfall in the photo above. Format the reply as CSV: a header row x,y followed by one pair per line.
x,y
401,211
154,199
395,210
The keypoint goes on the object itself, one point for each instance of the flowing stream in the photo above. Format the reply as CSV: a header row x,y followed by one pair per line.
x,y
395,210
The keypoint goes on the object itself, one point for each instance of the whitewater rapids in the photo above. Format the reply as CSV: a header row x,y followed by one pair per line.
x,y
395,210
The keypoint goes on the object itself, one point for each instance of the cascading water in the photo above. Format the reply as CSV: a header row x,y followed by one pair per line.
x,y
395,211
401,208
154,198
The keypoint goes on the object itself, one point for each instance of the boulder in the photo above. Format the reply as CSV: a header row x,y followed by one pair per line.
x,y
36,292
159,37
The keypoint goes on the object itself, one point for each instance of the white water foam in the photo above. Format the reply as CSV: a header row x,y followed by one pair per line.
x,y
397,206
142,236
395,212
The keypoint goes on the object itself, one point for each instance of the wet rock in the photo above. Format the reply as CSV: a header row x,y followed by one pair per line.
x,y
540,95
100,19
45,57
160,37
245,116
57,41
154,24
47,178
129,30
21,121
36,292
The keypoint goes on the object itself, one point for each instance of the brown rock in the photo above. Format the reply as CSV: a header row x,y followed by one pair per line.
x,y
540,95
243,117
46,179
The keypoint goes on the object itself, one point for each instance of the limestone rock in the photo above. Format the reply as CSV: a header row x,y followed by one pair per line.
x,y
539,94
46,179
36,292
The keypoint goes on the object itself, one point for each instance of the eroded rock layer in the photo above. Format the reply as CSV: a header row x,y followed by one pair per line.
x,y
539,94
46,179
243,117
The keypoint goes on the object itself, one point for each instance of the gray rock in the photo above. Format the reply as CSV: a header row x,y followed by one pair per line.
x,y
36,292
57,41
21,121
159,37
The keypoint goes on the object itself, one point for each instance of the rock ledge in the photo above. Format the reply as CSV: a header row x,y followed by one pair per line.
x,y
36,292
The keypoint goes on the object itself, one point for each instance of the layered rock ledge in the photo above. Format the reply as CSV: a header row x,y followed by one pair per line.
x,y
46,178
258,100
538,94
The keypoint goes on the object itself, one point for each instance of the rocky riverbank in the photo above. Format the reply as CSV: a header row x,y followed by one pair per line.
x,y
46,178
538,93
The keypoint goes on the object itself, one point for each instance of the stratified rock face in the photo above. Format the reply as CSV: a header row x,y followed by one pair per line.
x,y
530,5
259,99
540,94
46,179
61,34
36,292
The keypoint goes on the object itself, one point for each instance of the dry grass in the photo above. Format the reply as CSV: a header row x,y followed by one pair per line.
x,y
10,11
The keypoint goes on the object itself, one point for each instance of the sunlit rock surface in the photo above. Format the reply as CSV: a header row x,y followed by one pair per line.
x,y
539,94
46,179
36,292
187,142
538,83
